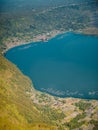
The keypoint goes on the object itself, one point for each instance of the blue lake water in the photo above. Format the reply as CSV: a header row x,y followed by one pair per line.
x,y
65,66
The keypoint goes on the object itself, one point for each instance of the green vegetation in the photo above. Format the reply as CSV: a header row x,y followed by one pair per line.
x,y
17,111
83,105
74,123
53,114
95,124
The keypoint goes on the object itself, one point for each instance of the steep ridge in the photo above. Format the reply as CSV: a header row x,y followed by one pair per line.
x,y
17,111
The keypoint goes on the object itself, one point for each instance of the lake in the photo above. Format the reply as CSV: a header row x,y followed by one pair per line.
x,y
64,66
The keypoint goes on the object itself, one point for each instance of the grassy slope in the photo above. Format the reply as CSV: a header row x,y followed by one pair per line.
x,y
17,111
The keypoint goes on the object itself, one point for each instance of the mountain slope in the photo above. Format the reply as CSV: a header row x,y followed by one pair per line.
x,y
15,5
17,111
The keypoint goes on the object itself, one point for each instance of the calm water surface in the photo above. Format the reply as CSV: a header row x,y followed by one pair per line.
x,y
65,66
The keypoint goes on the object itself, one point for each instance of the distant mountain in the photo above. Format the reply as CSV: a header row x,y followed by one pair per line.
x,y
10,5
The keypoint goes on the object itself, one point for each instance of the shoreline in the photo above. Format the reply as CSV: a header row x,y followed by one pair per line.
x,y
13,42
57,34
37,38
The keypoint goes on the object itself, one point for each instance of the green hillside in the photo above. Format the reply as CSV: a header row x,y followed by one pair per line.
x,y
17,111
